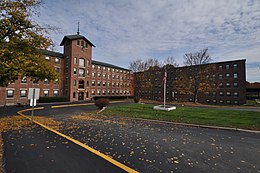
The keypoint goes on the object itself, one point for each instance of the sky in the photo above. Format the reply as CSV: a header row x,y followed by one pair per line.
x,y
126,30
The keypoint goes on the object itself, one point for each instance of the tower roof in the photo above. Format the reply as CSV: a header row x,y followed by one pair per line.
x,y
75,37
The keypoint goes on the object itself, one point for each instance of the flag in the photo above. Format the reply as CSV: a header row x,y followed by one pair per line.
x,y
165,77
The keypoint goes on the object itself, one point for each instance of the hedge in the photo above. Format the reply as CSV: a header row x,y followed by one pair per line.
x,y
53,99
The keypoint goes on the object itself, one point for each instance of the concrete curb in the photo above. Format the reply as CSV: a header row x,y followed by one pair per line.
x,y
160,121
194,125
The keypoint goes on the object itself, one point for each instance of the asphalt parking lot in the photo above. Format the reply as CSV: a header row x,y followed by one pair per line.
x,y
160,147
142,145
35,149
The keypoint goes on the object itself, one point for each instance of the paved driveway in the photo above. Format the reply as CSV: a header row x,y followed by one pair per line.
x,y
160,147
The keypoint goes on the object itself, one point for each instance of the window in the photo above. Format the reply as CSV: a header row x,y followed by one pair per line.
x,y
93,66
99,74
82,62
66,81
87,63
104,92
221,93
104,68
74,83
47,58
82,44
108,69
46,81
235,75
56,93
108,76
235,84
87,72
78,42
24,80
220,67
108,84
220,85
57,69
227,75
236,102
93,83
104,83
235,94
93,92
57,60
228,102
235,66
23,93
228,93
87,83
81,72
98,92
86,45
10,93
227,84
75,60
220,76
104,75
227,66
81,84
74,95
45,93
35,82
98,83
74,70
93,74
98,67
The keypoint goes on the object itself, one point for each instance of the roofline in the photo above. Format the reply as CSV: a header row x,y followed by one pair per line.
x,y
221,62
51,53
83,37
108,65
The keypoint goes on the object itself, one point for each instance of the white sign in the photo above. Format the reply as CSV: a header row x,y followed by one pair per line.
x,y
36,94
31,102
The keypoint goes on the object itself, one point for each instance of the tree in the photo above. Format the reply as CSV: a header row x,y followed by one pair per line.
x,y
199,78
140,80
140,65
20,42
171,61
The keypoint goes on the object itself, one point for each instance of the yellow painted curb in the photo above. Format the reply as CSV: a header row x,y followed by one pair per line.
x,y
107,158
71,105
80,104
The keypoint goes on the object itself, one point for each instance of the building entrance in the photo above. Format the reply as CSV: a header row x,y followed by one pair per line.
x,y
81,95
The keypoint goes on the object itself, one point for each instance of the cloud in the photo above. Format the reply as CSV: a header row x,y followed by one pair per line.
x,y
126,30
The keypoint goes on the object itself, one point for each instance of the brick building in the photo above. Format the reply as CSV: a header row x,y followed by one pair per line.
x,y
253,90
81,78
228,83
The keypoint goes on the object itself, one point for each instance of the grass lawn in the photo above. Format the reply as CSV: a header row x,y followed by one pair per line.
x,y
202,116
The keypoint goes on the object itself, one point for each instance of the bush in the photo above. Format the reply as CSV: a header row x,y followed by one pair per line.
x,y
100,103
53,99
137,100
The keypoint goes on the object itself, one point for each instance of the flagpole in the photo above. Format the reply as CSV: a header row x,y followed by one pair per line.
x,y
164,87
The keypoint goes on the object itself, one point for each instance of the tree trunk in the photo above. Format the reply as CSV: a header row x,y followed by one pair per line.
x,y
195,97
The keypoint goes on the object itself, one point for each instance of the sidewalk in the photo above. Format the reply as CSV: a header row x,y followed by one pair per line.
x,y
36,149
